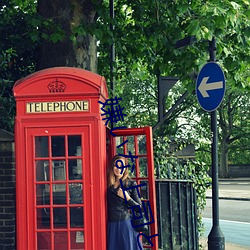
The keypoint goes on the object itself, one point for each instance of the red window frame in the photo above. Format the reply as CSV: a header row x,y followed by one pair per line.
x,y
135,132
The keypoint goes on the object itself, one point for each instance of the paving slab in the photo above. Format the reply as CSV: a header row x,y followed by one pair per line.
x,y
228,246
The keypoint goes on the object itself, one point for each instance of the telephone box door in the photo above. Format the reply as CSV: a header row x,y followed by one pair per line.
x,y
137,146
59,188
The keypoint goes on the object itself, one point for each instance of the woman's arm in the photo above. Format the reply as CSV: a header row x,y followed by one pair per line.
x,y
131,194
134,195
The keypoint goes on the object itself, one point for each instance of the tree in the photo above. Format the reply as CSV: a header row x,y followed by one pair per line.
x,y
234,117
155,28
69,39
145,34
157,25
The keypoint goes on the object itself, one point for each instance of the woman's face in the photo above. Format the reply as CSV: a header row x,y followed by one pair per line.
x,y
116,170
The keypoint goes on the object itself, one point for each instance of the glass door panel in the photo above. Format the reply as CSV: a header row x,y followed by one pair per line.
x,y
74,145
59,190
76,217
44,240
75,169
42,170
77,239
41,146
61,240
58,146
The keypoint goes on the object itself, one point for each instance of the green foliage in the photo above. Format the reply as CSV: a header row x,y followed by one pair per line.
x,y
193,170
7,107
15,32
147,32
17,54
145,36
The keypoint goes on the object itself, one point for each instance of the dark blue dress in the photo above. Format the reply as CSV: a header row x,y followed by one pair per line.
x,y
121,234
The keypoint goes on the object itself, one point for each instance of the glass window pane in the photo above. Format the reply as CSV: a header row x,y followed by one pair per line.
x,y
60,217
119,145
76,217
42,170
75,169
144,190
74,145
44,241
58,171
43,218
75,193
41,146
142,144
46,195
77,239
59,194
132,169
61,240
131,145
40,194
150,219
58,146
143,163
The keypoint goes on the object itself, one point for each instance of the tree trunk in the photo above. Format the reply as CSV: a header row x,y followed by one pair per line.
x,y
75,49
223,166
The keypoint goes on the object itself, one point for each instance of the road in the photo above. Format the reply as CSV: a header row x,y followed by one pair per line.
x,y
234,213
231,210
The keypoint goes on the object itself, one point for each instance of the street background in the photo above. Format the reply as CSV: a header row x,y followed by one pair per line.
x,y
234,213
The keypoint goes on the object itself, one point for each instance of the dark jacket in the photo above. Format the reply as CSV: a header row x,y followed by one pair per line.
x,y
118,208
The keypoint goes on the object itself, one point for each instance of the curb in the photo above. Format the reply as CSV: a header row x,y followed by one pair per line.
x,y
230,198
243,179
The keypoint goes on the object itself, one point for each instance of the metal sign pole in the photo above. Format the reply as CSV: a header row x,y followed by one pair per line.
x,y
216,240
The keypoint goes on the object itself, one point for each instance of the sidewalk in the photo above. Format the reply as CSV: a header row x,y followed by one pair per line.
x,y
231,194
228,246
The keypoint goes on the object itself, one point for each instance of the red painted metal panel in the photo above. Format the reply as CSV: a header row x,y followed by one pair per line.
x,y
21,196
76,81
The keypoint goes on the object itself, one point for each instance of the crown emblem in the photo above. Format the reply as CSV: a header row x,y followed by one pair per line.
x,y
56,86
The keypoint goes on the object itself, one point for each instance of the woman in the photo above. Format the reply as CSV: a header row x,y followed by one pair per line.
x,y
121,234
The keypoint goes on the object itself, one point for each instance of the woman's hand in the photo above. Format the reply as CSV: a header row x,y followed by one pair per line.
x,y
120,194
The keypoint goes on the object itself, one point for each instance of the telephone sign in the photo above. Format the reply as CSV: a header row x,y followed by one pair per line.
x,y
210,86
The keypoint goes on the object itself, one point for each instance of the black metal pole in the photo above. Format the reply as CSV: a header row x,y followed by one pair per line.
x,y
112,52
112,47
216,240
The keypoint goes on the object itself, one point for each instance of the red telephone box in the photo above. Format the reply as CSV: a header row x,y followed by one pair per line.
x,y
61,157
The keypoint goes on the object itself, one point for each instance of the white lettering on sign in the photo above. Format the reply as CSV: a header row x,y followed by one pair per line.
x,y
49,107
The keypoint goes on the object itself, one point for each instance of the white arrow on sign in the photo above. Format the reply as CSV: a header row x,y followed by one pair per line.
x,y
204,86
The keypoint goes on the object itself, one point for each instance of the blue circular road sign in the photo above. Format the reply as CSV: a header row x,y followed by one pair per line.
x,y
210,86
